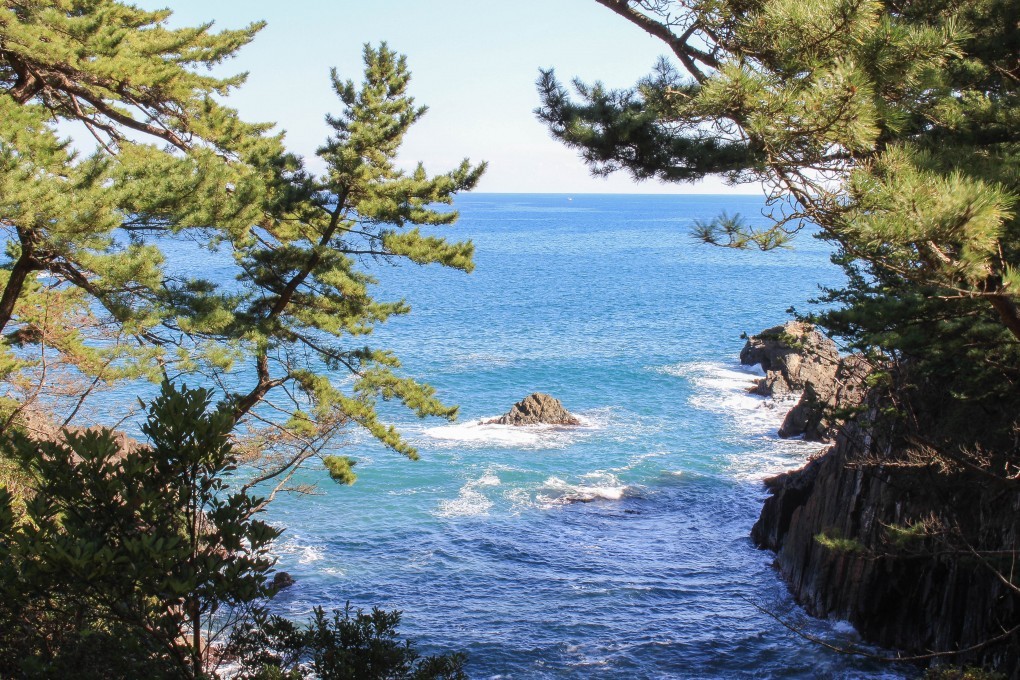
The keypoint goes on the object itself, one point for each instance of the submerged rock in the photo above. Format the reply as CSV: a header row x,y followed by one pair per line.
x,y
282,580
536,409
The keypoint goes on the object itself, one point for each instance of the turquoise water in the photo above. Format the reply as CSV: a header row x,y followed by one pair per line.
x,y
615,550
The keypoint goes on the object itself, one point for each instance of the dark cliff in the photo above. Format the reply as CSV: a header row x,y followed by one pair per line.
x,y
914,550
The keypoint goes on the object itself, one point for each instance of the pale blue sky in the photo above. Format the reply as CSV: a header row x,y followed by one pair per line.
x,y
474,64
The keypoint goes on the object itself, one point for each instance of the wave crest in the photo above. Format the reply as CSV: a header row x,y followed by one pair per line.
x,y
596,486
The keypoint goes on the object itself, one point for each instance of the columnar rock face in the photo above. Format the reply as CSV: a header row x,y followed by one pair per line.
x,y
839,528
537,409
829,525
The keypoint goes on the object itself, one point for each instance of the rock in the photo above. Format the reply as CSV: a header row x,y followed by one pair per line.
x,y
837,525
282,580
536,409
43,427
895,600
815,415
793,356
797,358
788,492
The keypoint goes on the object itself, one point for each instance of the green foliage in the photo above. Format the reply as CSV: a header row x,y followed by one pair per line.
x,y
92,295
77,219
15,481
339,468
130,558
347,646
833,540
906,535
124,561
890,127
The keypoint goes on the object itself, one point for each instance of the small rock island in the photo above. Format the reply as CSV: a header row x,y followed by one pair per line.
x,y
536,409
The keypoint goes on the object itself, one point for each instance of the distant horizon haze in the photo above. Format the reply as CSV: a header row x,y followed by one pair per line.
x,y
474,64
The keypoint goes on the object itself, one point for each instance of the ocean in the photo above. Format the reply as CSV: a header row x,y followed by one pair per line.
x,y
617,549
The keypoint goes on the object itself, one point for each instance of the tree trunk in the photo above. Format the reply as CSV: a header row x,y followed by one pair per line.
x,y
1008,313
25,264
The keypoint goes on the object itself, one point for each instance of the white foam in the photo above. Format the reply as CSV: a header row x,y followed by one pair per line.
x,y
481,433
469,502
843,627
714,372
488,479
519,499
305,552
770,456
755,420
596,486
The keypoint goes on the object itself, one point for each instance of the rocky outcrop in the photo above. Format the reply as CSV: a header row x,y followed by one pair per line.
x,y
44,428
846,530
822,405
797,358
536,409
793,356
838,528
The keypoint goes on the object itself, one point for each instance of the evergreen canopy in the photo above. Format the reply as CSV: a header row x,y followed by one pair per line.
x,y
91,293
891,126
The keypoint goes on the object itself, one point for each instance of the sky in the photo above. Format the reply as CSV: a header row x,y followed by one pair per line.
x,y
473,62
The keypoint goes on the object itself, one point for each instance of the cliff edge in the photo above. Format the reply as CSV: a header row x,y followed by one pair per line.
x,y
914,550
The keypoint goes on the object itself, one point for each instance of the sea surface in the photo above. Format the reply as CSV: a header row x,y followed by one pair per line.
x,y
618,549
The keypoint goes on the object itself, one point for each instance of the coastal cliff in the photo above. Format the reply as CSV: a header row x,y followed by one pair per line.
x,y
914,552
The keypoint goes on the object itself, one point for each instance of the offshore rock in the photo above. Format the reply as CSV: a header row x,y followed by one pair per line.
x,y
793,356
536,409
281,580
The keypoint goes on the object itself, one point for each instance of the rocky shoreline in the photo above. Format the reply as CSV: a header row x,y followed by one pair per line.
x,y
847,527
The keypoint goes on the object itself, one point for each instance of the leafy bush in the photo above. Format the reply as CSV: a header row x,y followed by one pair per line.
x,y
130,559
349,645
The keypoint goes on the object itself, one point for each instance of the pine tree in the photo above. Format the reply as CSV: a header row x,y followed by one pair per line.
x,y
115,561
307,293
83,288
890,127
890,130
91,297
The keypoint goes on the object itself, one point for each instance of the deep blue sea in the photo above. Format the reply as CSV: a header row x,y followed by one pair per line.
x,y
618,549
